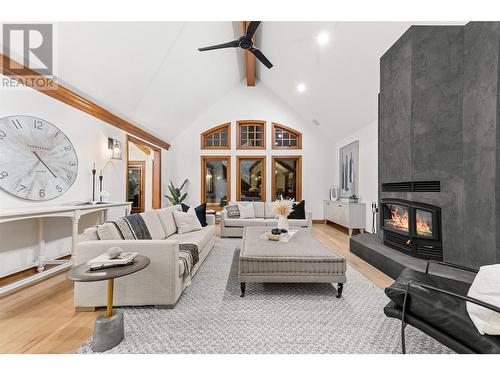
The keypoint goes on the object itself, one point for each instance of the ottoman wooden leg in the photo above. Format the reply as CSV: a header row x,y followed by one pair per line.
x,y
340,287
242,287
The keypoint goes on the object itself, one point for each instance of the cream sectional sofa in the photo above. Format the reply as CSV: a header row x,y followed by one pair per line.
x,y
163,281
264,216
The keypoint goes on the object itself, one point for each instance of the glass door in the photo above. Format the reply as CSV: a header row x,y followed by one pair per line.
x,y
424,223
216,181
286,177
396,217
251,178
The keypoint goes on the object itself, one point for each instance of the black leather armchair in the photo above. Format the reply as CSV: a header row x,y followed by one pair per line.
x,y
437,306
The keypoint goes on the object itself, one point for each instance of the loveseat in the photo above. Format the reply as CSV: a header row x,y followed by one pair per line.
x,y
264,216
163,281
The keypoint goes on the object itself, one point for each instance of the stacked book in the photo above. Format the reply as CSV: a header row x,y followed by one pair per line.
x,y
104,261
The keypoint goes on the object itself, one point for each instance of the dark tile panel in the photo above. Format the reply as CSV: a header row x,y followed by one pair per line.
x,y
395,112
480,141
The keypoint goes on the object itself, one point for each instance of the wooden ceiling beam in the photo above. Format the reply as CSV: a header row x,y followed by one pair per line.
x,y
146,150
249,59
47,86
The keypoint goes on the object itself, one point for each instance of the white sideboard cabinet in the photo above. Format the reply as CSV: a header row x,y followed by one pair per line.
x,y
349,215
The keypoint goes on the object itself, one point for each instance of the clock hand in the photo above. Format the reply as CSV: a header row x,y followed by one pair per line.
x,y
50,170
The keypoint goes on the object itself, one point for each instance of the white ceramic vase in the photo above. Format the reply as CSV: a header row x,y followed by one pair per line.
x,y
282,222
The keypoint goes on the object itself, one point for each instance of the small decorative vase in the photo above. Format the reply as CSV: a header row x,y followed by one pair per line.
x,y
283,222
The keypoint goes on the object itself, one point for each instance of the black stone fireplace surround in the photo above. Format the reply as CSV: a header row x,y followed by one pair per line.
x,y
411,227
439,120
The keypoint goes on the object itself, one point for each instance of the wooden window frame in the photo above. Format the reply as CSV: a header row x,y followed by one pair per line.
x,y
238,181
241,123
298,198
216,129
297,134
204,159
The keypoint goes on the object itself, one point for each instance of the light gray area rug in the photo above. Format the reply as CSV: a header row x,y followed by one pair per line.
x,y
211,317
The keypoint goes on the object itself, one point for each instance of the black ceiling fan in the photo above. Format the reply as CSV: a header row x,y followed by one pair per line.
x,y
245,42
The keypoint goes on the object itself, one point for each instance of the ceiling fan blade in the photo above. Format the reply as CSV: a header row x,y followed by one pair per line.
x,y
234,43
251,29
263,59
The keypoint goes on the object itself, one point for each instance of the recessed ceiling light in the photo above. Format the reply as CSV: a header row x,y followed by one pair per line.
x,y
322,38
301,87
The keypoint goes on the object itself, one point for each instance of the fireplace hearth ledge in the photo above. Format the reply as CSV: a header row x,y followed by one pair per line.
x,y
371,249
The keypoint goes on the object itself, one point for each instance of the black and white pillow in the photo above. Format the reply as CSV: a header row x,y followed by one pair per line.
x,y
298,211
233,212
201,212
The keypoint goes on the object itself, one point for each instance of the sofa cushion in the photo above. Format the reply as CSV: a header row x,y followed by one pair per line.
x,y
486,288
259,209
90,234
397,290
246,211
108,231
291,222
186,221
244,222
167,219
232,211
154,225
268,211
201,212
446,313
298,211
199,238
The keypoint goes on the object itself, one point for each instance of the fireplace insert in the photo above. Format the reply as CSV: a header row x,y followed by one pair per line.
x,y
412,227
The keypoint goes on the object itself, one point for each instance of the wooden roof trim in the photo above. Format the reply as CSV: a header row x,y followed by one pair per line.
x,y
69,97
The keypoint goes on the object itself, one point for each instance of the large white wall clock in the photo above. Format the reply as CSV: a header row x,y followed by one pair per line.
x,y
37,160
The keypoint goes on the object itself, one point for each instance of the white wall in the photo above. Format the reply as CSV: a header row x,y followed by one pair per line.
x,y
367,190
18,247
135,153
255,103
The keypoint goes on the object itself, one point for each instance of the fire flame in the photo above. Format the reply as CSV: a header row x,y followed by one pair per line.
x,y
423,227
397,221
401,222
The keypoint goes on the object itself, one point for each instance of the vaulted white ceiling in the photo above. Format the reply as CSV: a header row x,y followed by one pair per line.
x,y
153,75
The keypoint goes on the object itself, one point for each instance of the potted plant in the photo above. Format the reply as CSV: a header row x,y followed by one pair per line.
x,y
175,196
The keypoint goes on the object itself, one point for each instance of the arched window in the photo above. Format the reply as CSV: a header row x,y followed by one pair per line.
x,y
285,138
218,138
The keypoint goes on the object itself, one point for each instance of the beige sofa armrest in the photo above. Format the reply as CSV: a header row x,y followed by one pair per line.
x,y
210,219
158,284
309,217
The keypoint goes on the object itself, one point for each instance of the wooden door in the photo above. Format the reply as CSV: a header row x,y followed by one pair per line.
x,y
136,182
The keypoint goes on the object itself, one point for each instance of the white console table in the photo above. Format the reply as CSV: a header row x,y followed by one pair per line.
x,y
40,213
349,215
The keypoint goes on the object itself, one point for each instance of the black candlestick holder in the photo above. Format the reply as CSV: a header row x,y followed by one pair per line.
x,y
93,185
100,188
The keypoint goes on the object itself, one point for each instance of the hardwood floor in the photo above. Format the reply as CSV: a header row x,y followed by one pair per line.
x,y
42,319
337,238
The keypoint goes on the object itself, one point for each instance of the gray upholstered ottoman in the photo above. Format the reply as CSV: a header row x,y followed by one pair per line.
x,y
303,259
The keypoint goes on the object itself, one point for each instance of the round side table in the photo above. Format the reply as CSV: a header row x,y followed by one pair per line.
x,y
108,328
